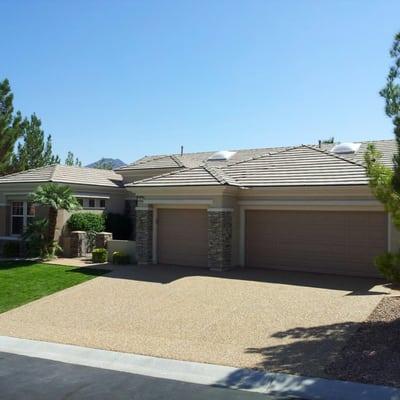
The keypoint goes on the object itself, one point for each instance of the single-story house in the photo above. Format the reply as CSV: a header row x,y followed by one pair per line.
x,y
97,190
303,208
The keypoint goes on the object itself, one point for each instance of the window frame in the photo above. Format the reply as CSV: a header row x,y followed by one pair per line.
x,y
25,216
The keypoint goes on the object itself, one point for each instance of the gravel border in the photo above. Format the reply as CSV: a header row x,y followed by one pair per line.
x,y
372,354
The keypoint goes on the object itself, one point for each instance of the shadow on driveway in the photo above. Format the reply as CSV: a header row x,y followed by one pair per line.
x,y
166,274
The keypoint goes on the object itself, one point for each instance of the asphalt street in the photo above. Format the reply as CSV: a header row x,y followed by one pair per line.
x,y
30,378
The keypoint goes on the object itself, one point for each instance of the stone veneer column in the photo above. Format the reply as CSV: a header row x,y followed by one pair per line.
x,y
219,238
78,244
144,235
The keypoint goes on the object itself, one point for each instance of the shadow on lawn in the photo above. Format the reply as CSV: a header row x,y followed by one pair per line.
x,y
10,264
166,274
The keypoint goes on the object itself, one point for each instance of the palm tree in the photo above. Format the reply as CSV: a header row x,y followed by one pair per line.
x,y
56,197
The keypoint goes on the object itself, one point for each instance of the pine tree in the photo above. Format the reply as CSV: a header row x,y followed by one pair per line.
x,y
72,161
391,94
11,127
35,151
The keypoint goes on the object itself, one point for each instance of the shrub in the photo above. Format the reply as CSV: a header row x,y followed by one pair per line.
x,y
36,237
99,255
120,258
120,225
389,266
11,249
86,221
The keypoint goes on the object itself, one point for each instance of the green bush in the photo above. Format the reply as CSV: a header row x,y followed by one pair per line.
x,y
120,258
99,255
389,266
36,237
11,249
86,221
121,226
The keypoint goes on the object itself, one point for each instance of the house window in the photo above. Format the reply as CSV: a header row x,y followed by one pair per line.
x,y
22,213
102,203
92,203
80,201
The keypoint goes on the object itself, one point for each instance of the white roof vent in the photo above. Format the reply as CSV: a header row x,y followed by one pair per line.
x,y
346,148
221,155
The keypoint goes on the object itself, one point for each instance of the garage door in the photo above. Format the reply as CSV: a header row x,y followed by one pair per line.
x,y
182,237
316,241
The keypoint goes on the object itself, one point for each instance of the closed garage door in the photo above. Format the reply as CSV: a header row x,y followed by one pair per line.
x,y
316,241
182,237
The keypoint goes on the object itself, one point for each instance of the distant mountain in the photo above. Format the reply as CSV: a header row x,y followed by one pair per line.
x,y
107,163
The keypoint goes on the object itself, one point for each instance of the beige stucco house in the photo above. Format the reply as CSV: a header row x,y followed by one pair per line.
x,y
97,190
294,208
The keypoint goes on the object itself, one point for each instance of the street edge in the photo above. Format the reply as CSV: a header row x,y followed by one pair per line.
x,y
200,373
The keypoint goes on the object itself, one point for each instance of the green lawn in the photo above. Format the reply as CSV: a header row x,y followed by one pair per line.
x,y
25,281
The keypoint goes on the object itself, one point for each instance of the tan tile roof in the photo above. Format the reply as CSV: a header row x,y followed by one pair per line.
x,y
199,176
66,174
192,160
297,166
154,162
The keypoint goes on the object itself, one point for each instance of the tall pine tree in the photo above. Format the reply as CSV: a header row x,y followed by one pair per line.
x,y
391,94
72,161
35,150
11,127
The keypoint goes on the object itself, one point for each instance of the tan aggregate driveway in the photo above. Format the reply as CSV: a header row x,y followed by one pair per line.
x,y
281,321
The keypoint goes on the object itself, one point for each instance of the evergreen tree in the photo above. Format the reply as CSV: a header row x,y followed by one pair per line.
x,y
330,140
35,151
11,127
391,94
72,161
385,181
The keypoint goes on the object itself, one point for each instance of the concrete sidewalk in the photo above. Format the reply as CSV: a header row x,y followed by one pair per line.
x,y
272,384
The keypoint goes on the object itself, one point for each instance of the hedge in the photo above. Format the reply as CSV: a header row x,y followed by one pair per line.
x,y
86,221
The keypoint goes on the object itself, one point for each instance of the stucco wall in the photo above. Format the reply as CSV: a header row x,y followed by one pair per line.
x,y
124,246
115,202
301,198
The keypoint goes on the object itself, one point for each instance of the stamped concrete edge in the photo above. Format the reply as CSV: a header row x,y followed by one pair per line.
x,y
200,373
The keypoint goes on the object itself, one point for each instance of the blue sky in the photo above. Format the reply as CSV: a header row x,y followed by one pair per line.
x,y
131,78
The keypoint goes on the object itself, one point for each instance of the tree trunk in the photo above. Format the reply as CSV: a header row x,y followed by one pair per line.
x,y
52,225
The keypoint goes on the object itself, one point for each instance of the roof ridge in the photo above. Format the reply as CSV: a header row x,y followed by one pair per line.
x,y
175,158
328,153
222,176
53,172
215,174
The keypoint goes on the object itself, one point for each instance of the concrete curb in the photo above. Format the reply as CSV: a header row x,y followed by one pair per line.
x,y
205,374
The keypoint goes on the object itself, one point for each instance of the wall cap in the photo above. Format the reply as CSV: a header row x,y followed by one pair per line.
x,y
220,209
